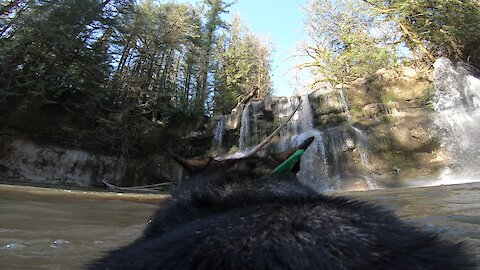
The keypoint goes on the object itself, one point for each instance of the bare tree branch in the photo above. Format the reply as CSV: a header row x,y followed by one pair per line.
x,y
247,98
275,132
145,188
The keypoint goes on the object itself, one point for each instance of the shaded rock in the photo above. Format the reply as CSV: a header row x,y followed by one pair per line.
x,y
48,164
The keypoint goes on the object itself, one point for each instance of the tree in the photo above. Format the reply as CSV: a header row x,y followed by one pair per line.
x,y
132,68
56,50
346,41
154,52
242,65
448,28
213,23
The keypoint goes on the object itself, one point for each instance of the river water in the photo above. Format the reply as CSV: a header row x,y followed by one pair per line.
x,y
60,229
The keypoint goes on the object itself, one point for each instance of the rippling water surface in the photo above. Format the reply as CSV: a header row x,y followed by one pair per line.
x,y
48,231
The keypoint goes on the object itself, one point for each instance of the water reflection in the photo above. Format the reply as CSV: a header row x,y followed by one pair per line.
x,y
61,232
453,211
39,232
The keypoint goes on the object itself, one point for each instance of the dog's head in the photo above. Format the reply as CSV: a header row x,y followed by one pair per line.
x,y
249,174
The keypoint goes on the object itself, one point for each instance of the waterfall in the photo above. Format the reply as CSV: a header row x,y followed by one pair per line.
x,y
218,134
314,163
362,148
244,129
334,145
361,144
284,108
305,115
343,155
302,121
320,164
344,104
457,101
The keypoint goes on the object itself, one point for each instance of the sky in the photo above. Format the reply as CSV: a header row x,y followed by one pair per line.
x,y
281,22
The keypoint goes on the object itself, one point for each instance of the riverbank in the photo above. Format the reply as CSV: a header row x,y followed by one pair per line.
x,y
82,194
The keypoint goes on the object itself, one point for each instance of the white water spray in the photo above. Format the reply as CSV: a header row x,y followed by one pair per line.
x,y
457,101
244,129
218,133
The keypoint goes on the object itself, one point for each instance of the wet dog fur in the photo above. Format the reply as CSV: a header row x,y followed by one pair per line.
x,y
234,214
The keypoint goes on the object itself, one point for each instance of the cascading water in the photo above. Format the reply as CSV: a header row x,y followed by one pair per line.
x,y
344,104
362,147
457,101
334,146
285,107
244,129
314,163
358,141
218,134
342,156
320,163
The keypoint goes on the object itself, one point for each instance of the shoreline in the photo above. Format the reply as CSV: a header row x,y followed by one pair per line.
x,y
78,193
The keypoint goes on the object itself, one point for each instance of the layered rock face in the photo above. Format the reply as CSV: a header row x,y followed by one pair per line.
x,y
26,161
391,129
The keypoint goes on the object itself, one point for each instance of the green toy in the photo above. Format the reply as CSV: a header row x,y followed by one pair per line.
x,y
288,164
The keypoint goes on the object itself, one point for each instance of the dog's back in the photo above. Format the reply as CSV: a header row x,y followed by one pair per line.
x,y
235,214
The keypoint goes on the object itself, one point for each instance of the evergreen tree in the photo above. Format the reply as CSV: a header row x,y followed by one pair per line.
x,y
242,66
57,50
134,67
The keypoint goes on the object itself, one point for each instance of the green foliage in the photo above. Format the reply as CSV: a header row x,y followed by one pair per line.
x,y
55,52
426,98
386,98
242,66
448,28
132,67
387,119
233,149
346,41
352,38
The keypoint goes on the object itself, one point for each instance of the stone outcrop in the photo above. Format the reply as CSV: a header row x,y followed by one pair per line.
x,y
391,110
26,161
379,126
380,131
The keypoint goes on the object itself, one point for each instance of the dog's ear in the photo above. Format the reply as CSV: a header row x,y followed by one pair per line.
x,y
193,165
289,160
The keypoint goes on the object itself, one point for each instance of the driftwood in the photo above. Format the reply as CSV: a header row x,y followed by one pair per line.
x,y
144,188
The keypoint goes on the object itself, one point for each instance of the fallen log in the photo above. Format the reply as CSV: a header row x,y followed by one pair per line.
x,y
143,188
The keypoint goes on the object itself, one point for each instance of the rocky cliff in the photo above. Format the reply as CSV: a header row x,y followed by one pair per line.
x,y
385,130
389,129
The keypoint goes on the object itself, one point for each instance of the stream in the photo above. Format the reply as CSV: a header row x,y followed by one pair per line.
x,y
61,229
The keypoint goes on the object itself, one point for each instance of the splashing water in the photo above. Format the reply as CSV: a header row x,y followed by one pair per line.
x,y
457,101
320,165
284,108
343,102
244,129
314,163
218,133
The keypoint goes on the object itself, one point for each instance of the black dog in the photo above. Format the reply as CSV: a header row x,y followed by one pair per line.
x,y
236,214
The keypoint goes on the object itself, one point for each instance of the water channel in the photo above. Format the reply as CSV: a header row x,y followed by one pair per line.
x,y
62,229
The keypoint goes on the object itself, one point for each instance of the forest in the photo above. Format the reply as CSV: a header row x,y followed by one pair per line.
x,y
126,75
125,69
